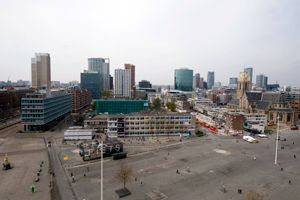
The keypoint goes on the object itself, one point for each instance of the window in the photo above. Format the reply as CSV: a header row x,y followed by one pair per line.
x,y
271,116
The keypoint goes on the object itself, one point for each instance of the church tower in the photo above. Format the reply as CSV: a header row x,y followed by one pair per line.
x,y
244,84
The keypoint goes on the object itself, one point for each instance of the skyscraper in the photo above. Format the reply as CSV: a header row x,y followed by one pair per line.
x,y
196,81
41,71
122,83
201,82
210,79
250,71
261,81
183,79
132,75
101,65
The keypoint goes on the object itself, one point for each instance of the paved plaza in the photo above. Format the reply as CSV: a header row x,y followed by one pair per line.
x,y
213,162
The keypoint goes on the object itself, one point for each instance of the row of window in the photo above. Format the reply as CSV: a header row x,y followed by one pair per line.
x,y
149,118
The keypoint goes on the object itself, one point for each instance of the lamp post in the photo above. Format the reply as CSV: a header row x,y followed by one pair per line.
x,y
277,141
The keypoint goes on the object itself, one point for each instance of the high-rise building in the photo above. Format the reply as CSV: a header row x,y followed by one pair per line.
x,y
145,84
41,71
132,73
233,80
183,79
101,65
244,84
111,82
261,81
201,82
90,80
210,79
196,81
122,83
250,71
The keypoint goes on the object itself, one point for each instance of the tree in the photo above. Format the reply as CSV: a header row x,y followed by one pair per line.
x,y
94,105
156,104
252,195
171,106
105,93
124,173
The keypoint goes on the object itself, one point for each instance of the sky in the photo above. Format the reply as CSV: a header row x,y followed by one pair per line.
x,y
156,36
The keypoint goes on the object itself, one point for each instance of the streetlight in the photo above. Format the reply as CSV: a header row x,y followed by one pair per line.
x,y
276,141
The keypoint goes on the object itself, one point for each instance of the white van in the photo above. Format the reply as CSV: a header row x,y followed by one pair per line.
x,y
245,137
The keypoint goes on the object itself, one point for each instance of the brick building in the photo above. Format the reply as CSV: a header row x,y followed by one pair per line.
x,y
81,99
235,121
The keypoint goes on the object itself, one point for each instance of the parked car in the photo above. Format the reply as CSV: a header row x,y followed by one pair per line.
x,y
52,130
283,139
294,127
20,131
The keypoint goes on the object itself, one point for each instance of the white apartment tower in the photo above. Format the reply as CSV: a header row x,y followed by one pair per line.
x,y
41,71
122,85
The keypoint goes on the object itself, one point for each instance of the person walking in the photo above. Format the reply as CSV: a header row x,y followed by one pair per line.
x,y
177,171
73,179
88,169
168,153
135,178
53,174
141,183
290,182
294,156
71,174
281,169
84,175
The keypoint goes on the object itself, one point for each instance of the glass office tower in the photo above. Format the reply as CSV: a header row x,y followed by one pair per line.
x,y
101,65
210,79
183,79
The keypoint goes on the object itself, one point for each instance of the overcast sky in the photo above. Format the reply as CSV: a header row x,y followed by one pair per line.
x,y
156,36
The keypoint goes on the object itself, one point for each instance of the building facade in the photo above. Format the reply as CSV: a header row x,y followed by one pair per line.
x,y
122,83
41,71
261,81
81,99
250,71
132,74
149,125
41,111
145,84
235,121
210,79
196,81
183,79
233,80
121,106
90,80
101,65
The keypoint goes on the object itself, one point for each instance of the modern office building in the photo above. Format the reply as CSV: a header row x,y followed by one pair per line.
x,y
261,81
111,80
145,84
122,83
233,80
81,99
101,65
250,71
201,83
210,79
132,74
41,111
90,80
196,81
121,106
183,79
136,124
41,71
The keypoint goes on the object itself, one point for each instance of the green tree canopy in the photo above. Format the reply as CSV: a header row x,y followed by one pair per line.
x,y
171,106
156,103
105,93
94,104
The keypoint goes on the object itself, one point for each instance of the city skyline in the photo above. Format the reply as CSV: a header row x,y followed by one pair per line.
x,y
233,36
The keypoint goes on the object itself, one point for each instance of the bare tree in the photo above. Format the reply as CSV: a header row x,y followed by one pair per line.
x,y
252,195
124,173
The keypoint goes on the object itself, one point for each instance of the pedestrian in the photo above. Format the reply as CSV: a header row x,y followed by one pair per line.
x,y
71,174
268,146
239,191
281,169
53,174
84,175
32,189
88,169
73,179
141,183
168,153
294,156
290,182
293,142
177,171
254,158
135,178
